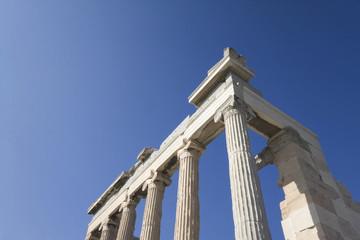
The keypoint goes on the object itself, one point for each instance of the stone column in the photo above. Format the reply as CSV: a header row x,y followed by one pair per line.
x,y
128,217
91,236
187,225
247,201
153,208
108,229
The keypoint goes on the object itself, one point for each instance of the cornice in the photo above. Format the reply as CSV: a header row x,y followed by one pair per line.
x,y
233,63
114,188
145,154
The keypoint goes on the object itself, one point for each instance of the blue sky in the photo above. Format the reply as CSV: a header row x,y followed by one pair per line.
x,y
86,84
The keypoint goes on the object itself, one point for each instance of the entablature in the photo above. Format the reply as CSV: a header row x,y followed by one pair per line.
x,y
114,187
231,62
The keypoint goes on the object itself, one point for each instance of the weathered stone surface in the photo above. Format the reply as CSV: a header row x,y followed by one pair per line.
x,y
145,154
316,205
312,196
114,188
108,229
348,229
318,231
92,236
187,224
247,201
127,222
232,62
343,189
153,208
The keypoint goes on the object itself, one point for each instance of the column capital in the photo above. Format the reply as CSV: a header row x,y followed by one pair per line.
x,y
107,222
191,145
153,208
233,105
127,222
130,202
155,176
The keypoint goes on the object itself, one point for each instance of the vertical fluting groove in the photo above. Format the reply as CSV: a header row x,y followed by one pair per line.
x,y
127,223
248,207
91,236
187,211
109,229
107,232
153,210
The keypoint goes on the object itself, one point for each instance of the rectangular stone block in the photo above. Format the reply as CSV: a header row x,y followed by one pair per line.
x,y
288,230
348,229
294,202
302,219
319,231
291,150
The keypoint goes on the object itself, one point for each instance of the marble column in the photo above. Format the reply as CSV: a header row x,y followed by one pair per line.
x,y
153,208
127,222
187,225
91,236
247,201
108,229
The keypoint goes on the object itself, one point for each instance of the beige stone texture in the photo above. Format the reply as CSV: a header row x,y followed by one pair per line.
x,y
127,222
92,236
288,229
316,205
319,231
313,198
248,208
153,208
108,230
187,224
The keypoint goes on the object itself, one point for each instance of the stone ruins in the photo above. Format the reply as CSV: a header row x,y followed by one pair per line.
x,y
316,205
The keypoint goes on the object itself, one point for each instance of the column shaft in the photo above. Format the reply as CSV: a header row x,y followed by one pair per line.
x,y
91,236
153,209
187,225
127,222
248,208
107,232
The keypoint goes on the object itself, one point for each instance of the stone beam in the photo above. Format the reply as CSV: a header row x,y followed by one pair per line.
x,y
276,117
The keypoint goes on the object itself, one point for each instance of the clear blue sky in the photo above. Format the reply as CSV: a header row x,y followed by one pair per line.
x,y
86,84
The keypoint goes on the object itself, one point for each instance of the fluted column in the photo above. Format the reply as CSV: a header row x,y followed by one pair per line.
x,y
153,208
247,201
108,229
91,236
187,225
127,222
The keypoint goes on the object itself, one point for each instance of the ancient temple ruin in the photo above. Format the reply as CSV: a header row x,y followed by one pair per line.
x,y
316,205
